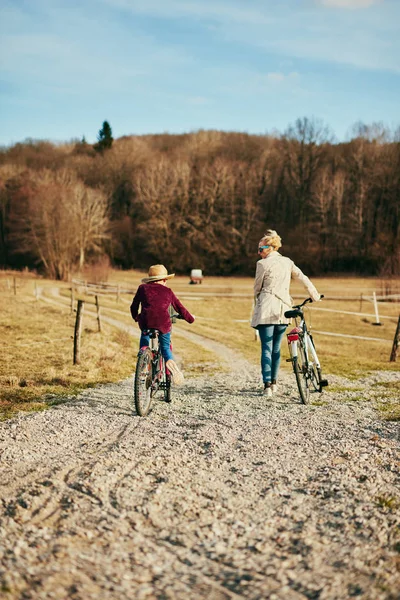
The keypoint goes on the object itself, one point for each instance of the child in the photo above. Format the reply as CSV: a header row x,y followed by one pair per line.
x,y
155,299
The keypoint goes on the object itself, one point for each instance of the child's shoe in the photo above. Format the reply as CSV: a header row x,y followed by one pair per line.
x,y
274,386
177,375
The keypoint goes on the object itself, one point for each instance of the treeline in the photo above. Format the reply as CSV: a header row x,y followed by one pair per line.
x,y
203,200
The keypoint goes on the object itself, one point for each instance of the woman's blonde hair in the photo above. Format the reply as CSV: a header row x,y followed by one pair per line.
x,y
271,238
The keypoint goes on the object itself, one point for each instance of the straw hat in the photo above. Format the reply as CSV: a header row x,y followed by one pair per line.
x,y
156,273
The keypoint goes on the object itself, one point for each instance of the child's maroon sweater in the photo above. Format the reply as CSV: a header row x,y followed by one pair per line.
x,y
155,300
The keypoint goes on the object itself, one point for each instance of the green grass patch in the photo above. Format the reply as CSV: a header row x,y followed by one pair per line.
x,y
389,411
341,389
392,386
388,502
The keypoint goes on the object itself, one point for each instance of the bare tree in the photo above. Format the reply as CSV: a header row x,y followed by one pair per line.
x,y
304,146
338,185
62,222
323,196
205,198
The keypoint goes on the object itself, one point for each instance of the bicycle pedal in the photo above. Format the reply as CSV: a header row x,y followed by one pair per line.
x,y
323,383
289,360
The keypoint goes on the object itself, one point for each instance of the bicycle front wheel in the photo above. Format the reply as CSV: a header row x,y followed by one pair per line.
x,y
315,377
143,383
166,382
300,368
316,373
167,391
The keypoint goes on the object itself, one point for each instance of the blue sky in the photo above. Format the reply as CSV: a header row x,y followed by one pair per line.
x,y
153,66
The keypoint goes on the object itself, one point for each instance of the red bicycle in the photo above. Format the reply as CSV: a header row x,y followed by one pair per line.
x,y
151,376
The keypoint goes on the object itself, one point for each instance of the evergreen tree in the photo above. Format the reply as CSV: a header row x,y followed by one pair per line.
x,y
105,138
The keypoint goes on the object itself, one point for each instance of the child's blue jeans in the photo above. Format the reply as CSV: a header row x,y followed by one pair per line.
x,y
271,338
165,344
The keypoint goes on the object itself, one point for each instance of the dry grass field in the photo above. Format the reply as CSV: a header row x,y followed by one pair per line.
x,y
36,353
36,350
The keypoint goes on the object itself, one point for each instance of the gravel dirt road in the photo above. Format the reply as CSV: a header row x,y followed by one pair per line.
x,y
222,494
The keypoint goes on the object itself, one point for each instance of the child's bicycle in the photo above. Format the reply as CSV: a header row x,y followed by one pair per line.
x,y
303,355
151,375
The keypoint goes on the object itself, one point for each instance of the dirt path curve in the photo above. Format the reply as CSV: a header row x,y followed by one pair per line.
x,y
220,495
233,359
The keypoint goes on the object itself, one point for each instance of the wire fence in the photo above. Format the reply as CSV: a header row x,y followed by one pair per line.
x,y
102,289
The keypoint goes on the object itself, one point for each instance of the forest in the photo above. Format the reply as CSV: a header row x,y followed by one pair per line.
x,y
203,200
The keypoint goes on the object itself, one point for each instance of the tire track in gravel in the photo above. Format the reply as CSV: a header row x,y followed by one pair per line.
x,y
57,481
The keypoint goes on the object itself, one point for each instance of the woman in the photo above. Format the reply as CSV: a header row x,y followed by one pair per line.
x,y
272,299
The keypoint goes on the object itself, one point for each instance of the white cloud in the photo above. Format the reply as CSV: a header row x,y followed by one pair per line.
x,y
220,10
281,77
349,3
292,29
247,83
60,56
198,100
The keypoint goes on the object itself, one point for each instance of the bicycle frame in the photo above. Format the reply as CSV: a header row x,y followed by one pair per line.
x,y
293,338
158,365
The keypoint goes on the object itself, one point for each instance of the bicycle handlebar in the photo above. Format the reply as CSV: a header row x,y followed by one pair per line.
x,y
177,316
306,301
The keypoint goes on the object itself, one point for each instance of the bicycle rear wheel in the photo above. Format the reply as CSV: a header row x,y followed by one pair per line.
x,y
300,367
143,382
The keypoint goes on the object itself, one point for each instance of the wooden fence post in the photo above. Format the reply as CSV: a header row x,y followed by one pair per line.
x,y
98,313
396,341
78,331
36,291
15,286
72,298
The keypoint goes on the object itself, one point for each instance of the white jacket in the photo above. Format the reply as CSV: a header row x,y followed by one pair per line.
x,y
271,289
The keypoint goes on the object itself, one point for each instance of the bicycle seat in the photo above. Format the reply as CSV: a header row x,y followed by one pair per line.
x,y
289,314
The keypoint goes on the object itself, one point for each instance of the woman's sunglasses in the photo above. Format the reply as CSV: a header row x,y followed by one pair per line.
x,y
261,248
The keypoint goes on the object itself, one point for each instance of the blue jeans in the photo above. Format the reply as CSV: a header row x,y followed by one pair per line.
x,y
271,338
165,344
